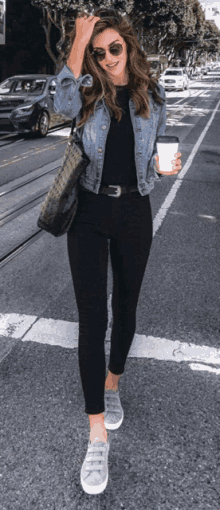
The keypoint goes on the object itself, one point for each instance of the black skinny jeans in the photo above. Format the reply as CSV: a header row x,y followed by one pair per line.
x,y
127,222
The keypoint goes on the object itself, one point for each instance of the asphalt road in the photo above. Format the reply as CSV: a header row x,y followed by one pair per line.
x,y
165,456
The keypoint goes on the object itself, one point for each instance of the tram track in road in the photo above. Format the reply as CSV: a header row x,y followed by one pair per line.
x,y
36,174
27,203
24,206
15,139
10,214
7,216
16,135
16,250
25,241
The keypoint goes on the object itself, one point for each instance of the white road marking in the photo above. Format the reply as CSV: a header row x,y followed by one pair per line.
x,y
15,325
197,366
158,220
60,132
179,123
207,217
175,115
65,334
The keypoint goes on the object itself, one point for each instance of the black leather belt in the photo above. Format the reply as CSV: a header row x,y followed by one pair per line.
x,y
114,190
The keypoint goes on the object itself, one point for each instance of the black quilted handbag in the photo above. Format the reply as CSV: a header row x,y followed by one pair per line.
x,y
60,205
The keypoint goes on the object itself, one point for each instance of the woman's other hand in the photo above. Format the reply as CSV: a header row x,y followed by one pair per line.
x,y
176,165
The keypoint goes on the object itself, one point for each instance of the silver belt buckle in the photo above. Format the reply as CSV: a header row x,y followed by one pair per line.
x,y
118,193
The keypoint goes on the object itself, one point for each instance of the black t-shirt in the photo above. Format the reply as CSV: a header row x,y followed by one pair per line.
x,y
119,162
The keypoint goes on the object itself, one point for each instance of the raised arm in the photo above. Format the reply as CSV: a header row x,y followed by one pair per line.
x,y
67,99
84,29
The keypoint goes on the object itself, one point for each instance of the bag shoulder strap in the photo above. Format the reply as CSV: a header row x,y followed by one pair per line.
x,y
73,125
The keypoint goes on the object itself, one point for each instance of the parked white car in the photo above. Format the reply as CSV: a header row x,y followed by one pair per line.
x,y
174,78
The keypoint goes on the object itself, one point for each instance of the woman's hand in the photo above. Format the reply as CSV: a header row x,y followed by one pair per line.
x,y
176,165
85,26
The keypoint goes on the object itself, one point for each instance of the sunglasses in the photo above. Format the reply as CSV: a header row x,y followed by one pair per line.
x,y
99,55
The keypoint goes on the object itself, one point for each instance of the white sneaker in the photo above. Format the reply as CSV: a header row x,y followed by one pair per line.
x,y
94,471
114,414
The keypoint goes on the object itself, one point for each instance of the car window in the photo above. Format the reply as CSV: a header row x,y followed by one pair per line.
x,y
173,73
29,86
6,86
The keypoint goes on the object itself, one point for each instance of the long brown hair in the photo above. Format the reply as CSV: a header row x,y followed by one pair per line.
x,y
140,79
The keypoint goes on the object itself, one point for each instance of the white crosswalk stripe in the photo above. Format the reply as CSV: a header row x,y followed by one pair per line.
x,y
65,334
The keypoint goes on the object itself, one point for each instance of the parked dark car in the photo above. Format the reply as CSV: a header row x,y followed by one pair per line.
x,y
27,104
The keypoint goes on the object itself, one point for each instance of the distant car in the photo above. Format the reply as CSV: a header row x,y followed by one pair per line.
x,y
215,67
197,73
175,78
27,104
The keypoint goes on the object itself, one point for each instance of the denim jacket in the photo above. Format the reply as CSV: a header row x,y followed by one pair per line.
x,y
94,132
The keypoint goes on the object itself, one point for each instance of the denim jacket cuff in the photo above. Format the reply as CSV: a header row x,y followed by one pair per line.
x,y
66,77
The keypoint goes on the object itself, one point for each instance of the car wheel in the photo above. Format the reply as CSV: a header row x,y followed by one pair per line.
x,y
43,124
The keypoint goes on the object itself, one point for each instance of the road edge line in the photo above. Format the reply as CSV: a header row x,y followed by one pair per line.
x,y
158,220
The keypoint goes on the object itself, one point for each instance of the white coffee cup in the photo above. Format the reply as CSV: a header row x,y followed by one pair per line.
x,y
167,147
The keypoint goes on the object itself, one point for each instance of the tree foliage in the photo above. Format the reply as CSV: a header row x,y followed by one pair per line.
x,y
166,27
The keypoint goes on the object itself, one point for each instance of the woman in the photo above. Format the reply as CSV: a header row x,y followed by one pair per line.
x,y
119,113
